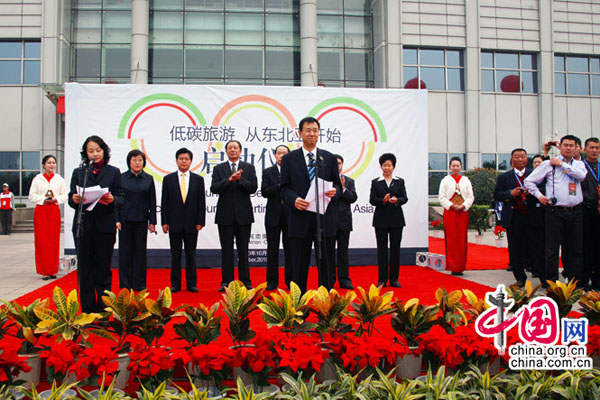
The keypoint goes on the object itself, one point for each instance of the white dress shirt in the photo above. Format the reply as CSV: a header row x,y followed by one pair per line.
x,y
558,180
307,158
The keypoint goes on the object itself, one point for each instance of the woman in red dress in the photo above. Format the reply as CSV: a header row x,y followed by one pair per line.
x,y
47,191
456,196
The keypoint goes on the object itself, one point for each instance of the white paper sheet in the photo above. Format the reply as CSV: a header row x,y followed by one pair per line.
x,y
311,196
92,195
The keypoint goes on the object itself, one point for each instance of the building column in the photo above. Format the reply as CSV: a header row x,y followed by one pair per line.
x,y
140,20
546,121
308,43
387,52
472,84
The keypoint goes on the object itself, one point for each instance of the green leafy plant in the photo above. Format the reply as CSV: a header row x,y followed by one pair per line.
x,y
201,325
247,393
590,304
66,322
300,389
483,181
412,319
56,392
479,218
196,394
521,295
371,305
441,386
351,387
238,302
161,313
104,393
483,386
535,384
451,309
476,305
579,385
128,312
330,307
288,311
389,389
160,393
565,295
27,321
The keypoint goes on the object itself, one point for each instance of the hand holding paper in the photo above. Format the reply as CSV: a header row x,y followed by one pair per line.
x,y
92,195
311,196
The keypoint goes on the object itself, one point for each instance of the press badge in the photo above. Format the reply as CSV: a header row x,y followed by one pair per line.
x,y
572,189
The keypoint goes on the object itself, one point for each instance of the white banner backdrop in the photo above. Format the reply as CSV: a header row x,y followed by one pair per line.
x,y
359,124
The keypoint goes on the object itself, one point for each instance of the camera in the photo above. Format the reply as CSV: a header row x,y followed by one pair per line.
x,y
552,201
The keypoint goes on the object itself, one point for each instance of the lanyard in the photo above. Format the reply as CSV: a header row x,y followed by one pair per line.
x,y
518,180
595,175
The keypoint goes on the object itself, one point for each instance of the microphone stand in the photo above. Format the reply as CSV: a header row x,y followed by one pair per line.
x,y
80,220
319,253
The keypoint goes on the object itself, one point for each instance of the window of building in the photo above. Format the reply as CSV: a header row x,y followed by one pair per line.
x,y
18,168
508,72
577,75
433,69
438,169
500,162
345,43
20,62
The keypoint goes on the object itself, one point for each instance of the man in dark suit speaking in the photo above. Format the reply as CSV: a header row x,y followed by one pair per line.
x,y
298,170
183,213
275,221
234,181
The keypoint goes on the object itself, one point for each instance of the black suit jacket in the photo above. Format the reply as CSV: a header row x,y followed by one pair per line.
x,y
295,183
270,190
183,217
140,198
234,197
102,217
343,211
388,215
504,184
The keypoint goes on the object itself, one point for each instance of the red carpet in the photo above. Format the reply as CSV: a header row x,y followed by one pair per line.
x,y
416,281
478,256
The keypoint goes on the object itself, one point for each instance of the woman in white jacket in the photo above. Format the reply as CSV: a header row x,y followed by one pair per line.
x,y
47,191
456,196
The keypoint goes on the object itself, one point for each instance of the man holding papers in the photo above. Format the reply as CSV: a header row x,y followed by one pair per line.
x,y
301,171
98,227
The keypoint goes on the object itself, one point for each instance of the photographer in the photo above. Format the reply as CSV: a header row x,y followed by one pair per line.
x,y
511,191
563,197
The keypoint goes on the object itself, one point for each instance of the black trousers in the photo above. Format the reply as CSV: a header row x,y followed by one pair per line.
x,y
518,245
564,226
94,255
389,268
132,255
537,241
343,277
591,250
300,251
6,217
241,233
189,241
273,235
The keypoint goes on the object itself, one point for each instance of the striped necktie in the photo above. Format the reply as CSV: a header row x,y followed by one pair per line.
x,y
311,166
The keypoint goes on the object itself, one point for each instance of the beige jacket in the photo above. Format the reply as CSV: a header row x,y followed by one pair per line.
x,y
39,188
448,188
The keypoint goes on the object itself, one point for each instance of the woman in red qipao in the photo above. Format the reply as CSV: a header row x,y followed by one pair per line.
x,y
456,196
47,191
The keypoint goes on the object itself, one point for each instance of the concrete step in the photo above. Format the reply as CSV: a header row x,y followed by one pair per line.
x,y
27,226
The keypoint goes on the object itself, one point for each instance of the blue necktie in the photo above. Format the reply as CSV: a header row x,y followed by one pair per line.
x,y
311,166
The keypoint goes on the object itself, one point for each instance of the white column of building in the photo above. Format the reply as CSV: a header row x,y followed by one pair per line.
x,y
140,19
472,83
387,29
308,43
546,73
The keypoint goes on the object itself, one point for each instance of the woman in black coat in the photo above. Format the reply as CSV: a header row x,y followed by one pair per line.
x,y
97,231
134,220
388,194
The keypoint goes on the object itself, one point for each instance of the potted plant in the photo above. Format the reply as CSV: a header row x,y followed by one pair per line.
x,y
201,326
288,310
499,231
438,227
451,309
301,355
60,359
410,320
153,327
150,366
330,308
254,364
96,365
479,218
370,306
590,304
238,302
103,392
565,295
209,365
476,305
11,365
62,392
521,295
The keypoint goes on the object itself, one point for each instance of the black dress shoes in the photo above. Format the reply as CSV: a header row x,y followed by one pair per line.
x,y
457,273
52,276
222,289
193,289
396,284
347,286
271,286
380,284
175,289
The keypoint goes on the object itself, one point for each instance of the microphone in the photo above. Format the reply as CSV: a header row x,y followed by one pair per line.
x,y
90,163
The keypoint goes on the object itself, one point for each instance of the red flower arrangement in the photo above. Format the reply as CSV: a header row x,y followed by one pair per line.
x,y
11,364
499,231
60,359
593,343
96,362
151,365
456,350
364,352
301,353
436,223
259,358
210,361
